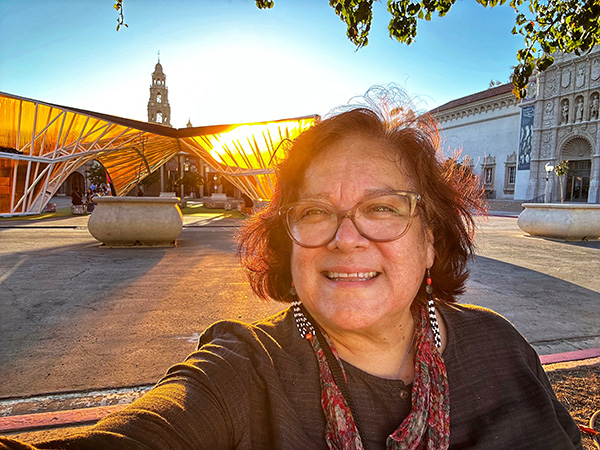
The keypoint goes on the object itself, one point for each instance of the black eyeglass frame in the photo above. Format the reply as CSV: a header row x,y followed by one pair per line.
x,y
413,199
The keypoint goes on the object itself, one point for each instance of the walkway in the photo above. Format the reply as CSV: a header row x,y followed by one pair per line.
x,y
68,304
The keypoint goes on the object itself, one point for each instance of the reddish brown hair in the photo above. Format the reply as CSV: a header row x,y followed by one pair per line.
x,y
450,194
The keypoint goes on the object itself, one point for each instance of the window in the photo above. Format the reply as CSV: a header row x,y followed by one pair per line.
x,y
159,117
487,172
158,98
510,173
488,176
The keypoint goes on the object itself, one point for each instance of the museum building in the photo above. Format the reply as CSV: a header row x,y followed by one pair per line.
x,y
513,145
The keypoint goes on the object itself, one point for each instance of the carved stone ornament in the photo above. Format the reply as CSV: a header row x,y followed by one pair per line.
x,y
546,144
594,107
565,80
532,90
596,69
579,110
546,136
552,84
580,77
548,113
564,111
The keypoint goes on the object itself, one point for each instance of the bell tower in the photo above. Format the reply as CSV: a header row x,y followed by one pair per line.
x,y
159,110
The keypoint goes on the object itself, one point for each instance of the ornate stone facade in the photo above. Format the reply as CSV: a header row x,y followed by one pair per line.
x,y
567,128
557,121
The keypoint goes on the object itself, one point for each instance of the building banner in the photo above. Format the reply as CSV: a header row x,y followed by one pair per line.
x,y
525,137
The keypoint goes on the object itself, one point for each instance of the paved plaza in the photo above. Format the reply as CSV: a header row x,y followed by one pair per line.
x,y
78,317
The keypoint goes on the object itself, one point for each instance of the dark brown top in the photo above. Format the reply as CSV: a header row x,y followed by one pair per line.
x,y
257,387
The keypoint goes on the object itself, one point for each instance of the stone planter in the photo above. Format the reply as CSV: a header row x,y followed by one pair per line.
x,y
571,222
136,221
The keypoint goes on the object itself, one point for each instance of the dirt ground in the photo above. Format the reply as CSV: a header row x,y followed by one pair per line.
x,y
579,390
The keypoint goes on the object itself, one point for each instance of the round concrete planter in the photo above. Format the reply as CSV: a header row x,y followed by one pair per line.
x,y
136,221
571,221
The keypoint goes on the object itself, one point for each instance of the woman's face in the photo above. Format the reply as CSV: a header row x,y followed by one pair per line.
x,y
325,277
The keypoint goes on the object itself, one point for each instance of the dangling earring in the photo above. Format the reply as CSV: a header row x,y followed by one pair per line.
x,y
305,328
432,317
293,292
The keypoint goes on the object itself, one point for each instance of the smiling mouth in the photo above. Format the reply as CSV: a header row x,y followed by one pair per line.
x,y
358,276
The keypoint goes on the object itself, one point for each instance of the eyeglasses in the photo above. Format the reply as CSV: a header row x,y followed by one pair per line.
x,y
379,218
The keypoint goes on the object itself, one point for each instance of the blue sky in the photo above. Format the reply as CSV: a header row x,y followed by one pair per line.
x,y
226,61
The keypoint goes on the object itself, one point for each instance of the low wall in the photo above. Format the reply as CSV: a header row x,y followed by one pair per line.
x,y
136,221
570,221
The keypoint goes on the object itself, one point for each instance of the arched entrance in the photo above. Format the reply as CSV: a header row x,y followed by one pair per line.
x,y
75,179
578,152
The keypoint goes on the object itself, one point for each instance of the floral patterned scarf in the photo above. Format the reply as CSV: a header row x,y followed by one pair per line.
x,y
428,424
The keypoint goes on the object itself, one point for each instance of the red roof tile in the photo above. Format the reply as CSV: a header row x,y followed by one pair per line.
x,y
488,93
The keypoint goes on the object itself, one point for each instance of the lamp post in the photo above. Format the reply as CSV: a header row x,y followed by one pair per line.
x,y
549,168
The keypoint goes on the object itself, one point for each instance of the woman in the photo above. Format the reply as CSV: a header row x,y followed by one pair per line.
x,y
368,234
90,199
76,197
77,201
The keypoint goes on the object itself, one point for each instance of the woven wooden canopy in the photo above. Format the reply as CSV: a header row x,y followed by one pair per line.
x,y
41,144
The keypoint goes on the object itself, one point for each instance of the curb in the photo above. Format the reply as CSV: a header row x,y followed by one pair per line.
x,y
570,356
65,418
57,419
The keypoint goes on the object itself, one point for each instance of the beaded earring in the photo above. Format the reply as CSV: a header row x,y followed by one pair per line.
x,y
305,328
435,326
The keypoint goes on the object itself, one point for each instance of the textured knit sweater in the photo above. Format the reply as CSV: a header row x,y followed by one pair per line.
x,y
257,387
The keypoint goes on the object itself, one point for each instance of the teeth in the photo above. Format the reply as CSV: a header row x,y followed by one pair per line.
x,y
356,275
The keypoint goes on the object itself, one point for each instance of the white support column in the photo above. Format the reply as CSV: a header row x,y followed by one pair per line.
x,y
181,190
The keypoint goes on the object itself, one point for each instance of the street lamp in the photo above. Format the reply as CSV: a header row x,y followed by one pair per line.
x,y
549,168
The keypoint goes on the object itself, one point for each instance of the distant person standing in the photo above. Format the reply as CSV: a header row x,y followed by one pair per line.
x,y
90,203
77,201
76,197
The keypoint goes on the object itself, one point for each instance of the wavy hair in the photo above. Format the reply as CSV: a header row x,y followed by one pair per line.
x,y
450,193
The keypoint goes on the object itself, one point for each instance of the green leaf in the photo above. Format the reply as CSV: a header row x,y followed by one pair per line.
x,y
413,9
544,62
264,4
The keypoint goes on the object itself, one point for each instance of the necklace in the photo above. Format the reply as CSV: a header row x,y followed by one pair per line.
x,y
406,355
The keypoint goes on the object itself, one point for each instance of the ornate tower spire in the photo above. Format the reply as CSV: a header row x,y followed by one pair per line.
x,y
159,110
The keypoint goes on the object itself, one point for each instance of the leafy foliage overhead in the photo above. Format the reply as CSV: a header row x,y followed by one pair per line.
x,y
547,26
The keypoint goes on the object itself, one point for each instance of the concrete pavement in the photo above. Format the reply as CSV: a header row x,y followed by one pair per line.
x,y
76,317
